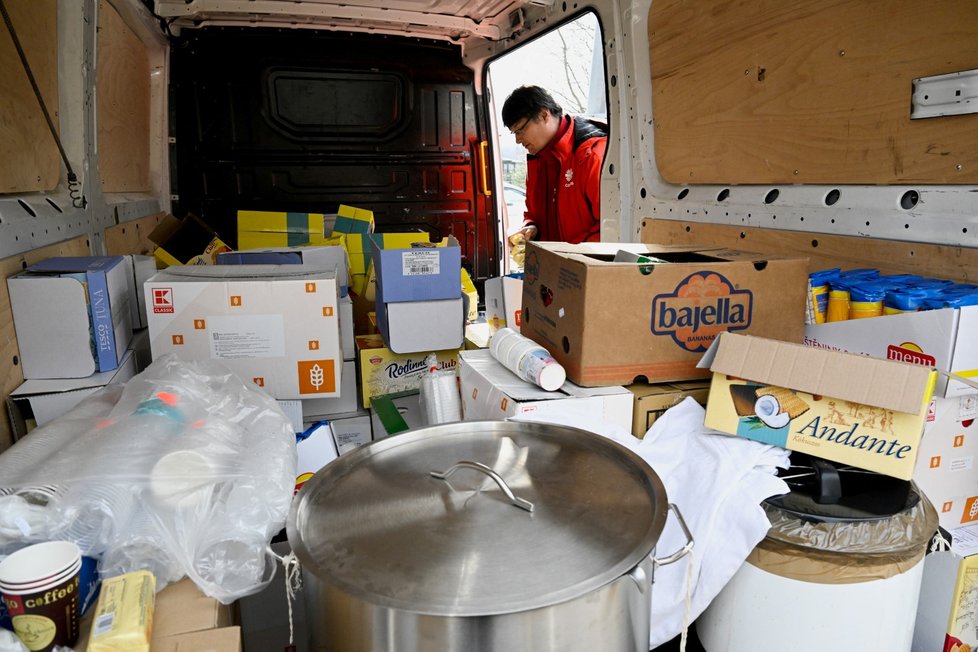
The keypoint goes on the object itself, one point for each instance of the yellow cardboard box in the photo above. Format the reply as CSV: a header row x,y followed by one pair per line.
x,y
257,229
384,372
843,407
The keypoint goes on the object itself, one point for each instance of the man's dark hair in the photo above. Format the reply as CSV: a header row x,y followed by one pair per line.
x,y
527,102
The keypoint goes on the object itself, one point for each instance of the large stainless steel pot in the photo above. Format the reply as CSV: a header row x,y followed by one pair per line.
x,y
481,536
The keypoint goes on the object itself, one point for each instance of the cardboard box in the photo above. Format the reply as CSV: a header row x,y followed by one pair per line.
x,y
947,609
351,432
471,295
314,409
417,326
321,257
359,248
491,391
347,329
384,372
943,339
274,325
141,268
946,468
847,408
315,449
613,323
651,401
391,414
417,274
71,315
350,219
477,336
504,302
41,400
224,639
189,241
257,229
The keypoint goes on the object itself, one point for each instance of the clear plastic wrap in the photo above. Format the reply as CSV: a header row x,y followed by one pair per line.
x,y
184,470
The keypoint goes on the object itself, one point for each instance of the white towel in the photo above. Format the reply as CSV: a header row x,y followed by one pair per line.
x,y
718,482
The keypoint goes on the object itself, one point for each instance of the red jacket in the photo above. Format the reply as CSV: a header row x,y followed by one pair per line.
x,y
563,183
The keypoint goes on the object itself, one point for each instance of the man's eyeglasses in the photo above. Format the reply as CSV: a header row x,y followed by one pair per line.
x,y
517,132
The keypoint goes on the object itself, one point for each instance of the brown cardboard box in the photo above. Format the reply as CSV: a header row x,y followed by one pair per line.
x,y
652,400
611,323
848,408
180,608
222,639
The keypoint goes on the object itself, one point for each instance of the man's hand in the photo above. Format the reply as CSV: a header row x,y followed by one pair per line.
x,y
526,233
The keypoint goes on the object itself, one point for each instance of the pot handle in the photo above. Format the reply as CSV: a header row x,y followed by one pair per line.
x,y
464,464
682,552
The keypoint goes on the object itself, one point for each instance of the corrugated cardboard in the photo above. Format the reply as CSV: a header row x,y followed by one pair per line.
x,y
651,401
71,327
418,273
258,229
394,413
314,409
42,400
187,241
351,432
943,339
847,408
946,468
619,322
141,269
224,639
947,611
274,325
491,391
418,326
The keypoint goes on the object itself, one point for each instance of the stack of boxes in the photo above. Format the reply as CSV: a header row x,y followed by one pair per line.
x,y
74,320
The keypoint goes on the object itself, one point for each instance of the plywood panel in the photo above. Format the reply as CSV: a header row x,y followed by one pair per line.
x,y
29,160
132,237
123,100
11,375
823,251
791,91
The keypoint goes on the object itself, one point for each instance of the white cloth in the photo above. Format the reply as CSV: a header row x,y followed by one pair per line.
x,y
718,482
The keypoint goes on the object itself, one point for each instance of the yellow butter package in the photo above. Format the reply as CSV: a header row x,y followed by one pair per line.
x,y
124,615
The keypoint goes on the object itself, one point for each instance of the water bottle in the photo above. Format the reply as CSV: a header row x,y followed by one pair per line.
x,y
527,359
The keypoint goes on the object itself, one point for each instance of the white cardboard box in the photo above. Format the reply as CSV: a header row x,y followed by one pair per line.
x,y
56,335
274,325
947,461
348,401
491,391
947,610
314,452
504,302
943,339
49,398
347,343
419,326
141,269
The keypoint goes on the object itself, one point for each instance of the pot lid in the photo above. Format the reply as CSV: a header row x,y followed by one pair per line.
x,y
379,526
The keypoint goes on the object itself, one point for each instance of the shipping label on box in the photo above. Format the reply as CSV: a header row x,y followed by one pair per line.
x,y
276,326
491,391
613,322
946,470
847,408
384,372
943,339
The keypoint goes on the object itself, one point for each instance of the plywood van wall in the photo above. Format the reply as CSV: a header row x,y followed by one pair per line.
x,y
29,160
823,251
123,104
790,91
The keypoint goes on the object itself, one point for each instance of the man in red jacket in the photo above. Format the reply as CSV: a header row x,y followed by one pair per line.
x,y
563,167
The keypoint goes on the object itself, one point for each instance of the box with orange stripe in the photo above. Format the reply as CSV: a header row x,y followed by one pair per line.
x,y
276,326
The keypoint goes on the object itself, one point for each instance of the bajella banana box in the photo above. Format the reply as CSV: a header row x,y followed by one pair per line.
x,y
615,322
274,325
865,412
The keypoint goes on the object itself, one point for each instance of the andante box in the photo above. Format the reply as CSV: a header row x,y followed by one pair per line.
x,y
72,315
274,325
615,323
847,408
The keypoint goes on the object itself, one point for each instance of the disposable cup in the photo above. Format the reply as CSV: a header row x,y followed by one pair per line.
x,y
182,478
44,613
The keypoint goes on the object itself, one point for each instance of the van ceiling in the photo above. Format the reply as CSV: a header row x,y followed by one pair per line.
x,y
452,20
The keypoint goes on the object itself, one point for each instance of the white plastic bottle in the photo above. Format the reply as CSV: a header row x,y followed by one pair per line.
x,y
527,359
